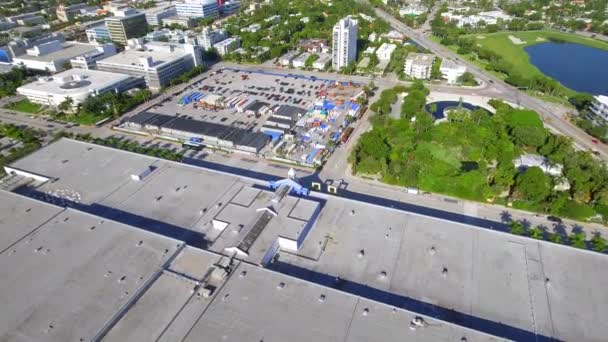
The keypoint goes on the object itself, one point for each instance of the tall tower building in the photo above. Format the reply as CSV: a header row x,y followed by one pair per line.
x,y
344,43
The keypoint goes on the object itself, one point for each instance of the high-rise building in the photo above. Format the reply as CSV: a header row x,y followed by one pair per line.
x,y
344,43
198,9
126,24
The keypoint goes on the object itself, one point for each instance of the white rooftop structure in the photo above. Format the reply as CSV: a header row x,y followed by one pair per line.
x,y
385,51
52,56
413,10
599,107
157,62
527,160
451,71
78,84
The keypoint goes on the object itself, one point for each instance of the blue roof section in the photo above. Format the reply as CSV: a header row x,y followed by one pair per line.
x,y
335,136
311,156
273,135
295,186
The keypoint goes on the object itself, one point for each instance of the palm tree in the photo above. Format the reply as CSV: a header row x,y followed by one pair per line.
x,y
66,105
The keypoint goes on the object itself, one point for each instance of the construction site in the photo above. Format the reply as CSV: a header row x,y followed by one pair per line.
x,y
292,118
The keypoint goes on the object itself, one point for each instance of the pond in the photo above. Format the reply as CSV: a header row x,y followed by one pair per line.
x,y
442,106
578,67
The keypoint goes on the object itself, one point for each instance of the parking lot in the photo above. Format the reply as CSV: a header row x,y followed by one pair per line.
x,y
273,90
304,117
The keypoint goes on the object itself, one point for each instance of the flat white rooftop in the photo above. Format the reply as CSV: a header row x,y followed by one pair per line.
x,y
78,277
489,281
69,51
73,81
159,52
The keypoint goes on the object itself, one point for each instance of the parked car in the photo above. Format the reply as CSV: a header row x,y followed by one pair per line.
x,y
554,219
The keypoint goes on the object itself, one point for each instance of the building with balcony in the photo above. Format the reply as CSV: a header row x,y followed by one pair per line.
x,y
344,43
419,65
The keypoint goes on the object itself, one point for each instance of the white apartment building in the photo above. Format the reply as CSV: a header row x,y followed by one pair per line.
x,y
300,61
226,46
413,10
385,51
344,43
210,36
451,71
599,107
77,84
198,9
419,65
155,15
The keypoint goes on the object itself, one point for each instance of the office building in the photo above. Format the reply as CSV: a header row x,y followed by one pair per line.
x,y
155,15
69,12
198,9
89,60
210,36
157,62
77,84
126,24
451,71
419,65
54,56
344,43
599,107
230,7
228,45
98,34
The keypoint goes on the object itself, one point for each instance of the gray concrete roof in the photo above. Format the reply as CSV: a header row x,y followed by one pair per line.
x,y
68,278
489,276
259,305
493,282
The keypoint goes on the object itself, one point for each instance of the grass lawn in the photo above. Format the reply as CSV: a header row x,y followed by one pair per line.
x,y
25,106
515,54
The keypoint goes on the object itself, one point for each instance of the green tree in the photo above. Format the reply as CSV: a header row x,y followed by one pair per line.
x,y
578,240
529,135
536,233
517,228
66,105
598,242
533,184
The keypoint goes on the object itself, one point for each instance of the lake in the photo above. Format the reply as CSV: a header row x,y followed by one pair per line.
x,y
578,67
